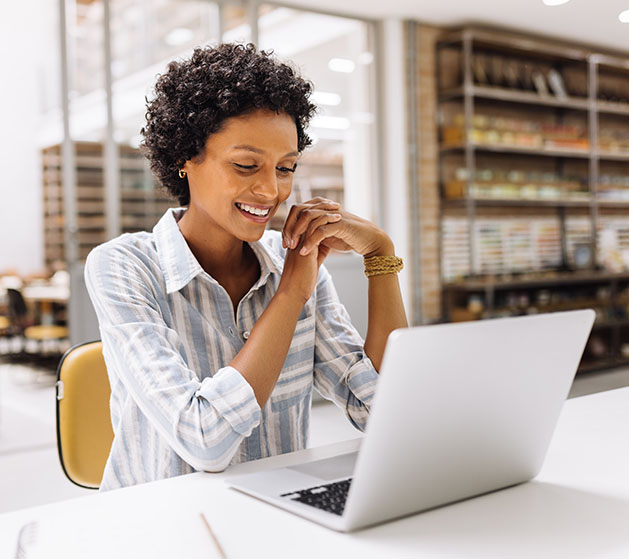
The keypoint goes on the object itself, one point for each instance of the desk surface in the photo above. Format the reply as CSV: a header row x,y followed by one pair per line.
x,y
577,507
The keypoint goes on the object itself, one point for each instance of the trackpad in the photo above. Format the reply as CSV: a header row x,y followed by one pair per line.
x,y
329,468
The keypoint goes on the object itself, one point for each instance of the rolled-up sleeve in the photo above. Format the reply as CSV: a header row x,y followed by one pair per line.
x,y
343,372
204,421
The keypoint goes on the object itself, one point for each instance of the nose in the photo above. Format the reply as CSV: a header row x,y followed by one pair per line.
x,y
265,185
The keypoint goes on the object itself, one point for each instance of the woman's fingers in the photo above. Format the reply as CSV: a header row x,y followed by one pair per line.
x,y
300,216
307,216
319,230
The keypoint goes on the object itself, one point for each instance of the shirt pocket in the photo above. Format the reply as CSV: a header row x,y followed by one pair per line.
x,y
295,381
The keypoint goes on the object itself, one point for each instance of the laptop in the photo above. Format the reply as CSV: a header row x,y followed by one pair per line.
x,y
460,410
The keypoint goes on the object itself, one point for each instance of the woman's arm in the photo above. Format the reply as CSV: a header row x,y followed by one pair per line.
x,y
386,309
261,359
204,421
318,229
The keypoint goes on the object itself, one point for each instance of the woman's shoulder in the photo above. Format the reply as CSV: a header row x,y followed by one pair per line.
x,y
127,244
127,252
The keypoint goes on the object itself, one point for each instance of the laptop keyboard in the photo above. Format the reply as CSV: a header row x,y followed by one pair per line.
x,y
330,497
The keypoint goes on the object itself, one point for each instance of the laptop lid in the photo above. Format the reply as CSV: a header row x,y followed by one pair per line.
x,y
463,409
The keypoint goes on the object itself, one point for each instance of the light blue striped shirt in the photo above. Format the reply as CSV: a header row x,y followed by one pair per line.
x,y
169,333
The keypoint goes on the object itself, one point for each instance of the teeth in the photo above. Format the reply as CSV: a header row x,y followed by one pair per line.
x,y
252,210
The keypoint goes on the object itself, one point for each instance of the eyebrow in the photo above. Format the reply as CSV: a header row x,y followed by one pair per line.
x,y
261,151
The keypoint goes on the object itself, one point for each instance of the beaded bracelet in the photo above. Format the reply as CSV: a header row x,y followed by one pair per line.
x,y
380,265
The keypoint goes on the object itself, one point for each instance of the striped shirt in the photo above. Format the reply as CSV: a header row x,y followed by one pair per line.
x,y
169,332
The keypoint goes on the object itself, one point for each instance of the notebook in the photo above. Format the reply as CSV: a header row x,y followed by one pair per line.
x,y
460,410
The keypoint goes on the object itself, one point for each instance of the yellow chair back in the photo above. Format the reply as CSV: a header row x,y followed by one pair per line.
x,y
84,432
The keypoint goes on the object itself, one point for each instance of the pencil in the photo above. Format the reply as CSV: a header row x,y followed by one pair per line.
x,y
213,536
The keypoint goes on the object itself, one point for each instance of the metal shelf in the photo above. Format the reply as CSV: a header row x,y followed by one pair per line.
x,y
505,202
533,98
571,278
519,44
612,156
517,150
516,96
609,107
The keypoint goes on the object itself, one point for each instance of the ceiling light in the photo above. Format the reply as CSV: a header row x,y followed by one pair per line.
x,y
330,122
179,36
341,65
326,98
624,16
555,2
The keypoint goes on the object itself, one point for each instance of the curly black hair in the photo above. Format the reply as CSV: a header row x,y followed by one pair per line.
x,y
195,96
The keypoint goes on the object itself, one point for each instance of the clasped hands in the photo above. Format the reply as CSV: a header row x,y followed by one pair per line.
x,y
320,224
314,228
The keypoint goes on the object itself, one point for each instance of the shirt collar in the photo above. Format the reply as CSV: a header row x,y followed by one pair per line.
x,y
180,266
270,261
176,260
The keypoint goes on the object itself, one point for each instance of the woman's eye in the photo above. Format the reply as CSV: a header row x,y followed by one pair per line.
x,y
286,170
245,167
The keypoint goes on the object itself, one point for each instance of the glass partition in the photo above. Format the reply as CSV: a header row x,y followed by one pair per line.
x,y
336,54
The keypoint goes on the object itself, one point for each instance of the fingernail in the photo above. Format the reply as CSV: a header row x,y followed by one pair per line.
x,y
292,243
303,251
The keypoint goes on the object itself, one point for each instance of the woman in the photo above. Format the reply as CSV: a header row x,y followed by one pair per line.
x,y
215,331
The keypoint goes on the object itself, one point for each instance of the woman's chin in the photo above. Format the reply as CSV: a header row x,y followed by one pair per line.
x,y
252,236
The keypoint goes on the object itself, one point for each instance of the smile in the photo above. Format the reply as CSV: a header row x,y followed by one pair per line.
x,y
255,211
259,215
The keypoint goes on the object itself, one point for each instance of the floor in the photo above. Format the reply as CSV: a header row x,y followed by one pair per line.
x,y
29,468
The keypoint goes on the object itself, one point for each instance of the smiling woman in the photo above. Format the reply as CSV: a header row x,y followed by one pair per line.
x,y
215,330
253,178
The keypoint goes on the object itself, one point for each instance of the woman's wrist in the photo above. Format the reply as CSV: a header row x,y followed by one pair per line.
x,y
384,247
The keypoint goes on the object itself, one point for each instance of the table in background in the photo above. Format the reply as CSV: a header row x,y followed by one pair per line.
x,y
43,297
577,507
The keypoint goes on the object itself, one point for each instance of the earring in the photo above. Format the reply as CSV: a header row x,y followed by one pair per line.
x,y
182,174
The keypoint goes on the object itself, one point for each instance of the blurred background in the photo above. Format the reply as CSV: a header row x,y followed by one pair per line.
x,y
489,139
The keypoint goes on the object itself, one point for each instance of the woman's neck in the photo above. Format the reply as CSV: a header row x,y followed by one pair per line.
x,y
219,254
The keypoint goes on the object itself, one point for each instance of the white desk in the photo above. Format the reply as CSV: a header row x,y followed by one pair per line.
x,y
577,507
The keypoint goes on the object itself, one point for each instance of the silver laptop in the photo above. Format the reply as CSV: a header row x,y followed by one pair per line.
x,y
460,410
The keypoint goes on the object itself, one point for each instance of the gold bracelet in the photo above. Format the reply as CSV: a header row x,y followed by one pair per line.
x,y
380,265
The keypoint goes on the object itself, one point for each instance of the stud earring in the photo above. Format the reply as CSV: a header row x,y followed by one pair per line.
x,y
182,174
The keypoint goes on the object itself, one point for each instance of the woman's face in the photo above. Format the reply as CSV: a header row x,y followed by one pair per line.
x,y
245,173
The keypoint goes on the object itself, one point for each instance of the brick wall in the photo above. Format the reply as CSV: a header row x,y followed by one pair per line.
x,y
429,274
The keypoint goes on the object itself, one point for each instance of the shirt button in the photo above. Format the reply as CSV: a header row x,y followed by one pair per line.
x,y
245,334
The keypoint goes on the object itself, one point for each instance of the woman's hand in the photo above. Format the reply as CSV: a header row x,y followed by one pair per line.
x,y
320,225
299,276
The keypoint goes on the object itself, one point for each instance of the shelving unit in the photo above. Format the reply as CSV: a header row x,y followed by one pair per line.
x,y
141,203
534,161
606,293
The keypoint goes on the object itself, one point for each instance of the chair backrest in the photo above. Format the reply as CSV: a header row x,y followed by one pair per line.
x,y
84,432
17,305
